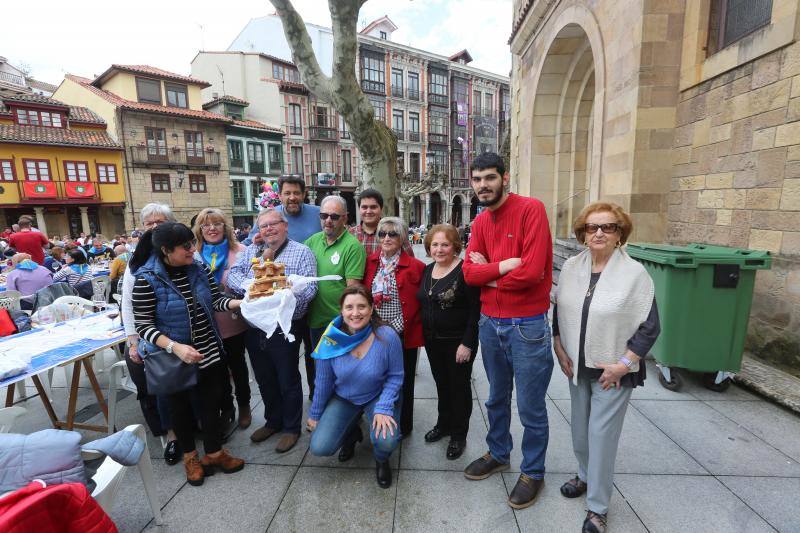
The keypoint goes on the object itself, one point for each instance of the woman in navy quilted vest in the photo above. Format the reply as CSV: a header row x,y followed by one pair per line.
x,y
174,300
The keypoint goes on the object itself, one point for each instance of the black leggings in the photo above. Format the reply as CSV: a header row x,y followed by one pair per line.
x,y
208,393
235,361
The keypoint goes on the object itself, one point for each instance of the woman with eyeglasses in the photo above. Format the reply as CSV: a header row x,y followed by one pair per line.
x,y
394,278
217,249
174,300
604,322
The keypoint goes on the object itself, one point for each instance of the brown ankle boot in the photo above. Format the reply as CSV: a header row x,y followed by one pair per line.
x,y
224,461
194,470
245,416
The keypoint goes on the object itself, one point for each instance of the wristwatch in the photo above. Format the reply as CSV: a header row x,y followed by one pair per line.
x,y
625,361
169,346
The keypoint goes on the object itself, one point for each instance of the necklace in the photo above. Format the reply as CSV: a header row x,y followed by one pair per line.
x,y
432,284
591,288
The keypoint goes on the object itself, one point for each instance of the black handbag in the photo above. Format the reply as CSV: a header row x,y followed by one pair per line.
x,y
167,373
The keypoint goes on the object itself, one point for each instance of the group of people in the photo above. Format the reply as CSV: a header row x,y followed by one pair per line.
x,y
182,288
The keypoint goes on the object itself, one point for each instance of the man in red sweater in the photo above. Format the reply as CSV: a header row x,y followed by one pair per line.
x,y
510,257
27,241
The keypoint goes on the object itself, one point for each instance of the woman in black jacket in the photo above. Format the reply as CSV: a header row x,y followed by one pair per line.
x,y
450,311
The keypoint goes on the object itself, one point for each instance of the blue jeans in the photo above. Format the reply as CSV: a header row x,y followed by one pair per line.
x,y
340,417
519,351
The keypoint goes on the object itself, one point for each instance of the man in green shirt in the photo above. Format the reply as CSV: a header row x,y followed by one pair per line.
x,y
337,252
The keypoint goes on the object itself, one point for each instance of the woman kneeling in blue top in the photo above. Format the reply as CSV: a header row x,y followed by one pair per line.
x,y
359,369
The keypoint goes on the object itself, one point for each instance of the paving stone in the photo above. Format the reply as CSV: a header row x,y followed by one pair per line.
x,y
425,501
687,503
131,510
221,504
652,389
773,424
559,449
554,512
636,444
774,499
264,452
720,445
334,499
420,455
363,458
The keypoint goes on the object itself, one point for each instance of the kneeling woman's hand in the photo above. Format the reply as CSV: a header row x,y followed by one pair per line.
x,y
311,424
382,423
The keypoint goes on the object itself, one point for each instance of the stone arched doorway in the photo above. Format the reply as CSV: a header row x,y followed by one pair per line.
x,y
436,209
473,208
564,161
456,211
416,211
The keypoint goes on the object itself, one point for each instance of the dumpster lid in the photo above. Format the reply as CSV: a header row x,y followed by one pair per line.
x,y
694,254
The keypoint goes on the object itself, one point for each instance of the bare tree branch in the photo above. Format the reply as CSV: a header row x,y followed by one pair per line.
x,y
302,50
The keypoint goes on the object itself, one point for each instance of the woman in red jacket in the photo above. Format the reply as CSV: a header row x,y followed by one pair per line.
x,y
393,276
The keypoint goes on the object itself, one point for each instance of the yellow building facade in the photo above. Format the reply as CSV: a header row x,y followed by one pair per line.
x,y
58,164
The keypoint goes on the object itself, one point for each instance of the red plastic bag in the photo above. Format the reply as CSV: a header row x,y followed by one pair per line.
x,y
7,325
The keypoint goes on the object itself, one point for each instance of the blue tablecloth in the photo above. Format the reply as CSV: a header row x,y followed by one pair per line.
x,y
44,361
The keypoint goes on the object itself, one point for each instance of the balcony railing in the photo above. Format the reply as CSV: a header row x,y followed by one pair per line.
x,y
437,99
142,156
275,166
413,136
400,134
397,92
460,183
344,134
255,167
295,130
437,138
322,133
59,192
373,87
236,164
414,94
13,79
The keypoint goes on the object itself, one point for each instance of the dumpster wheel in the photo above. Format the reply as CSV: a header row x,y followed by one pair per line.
x,y
710,382
675,382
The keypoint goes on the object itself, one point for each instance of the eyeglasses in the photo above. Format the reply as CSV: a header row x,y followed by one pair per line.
x,y
607,228
215,225
267,225
390,234
153,223
332,216
189,245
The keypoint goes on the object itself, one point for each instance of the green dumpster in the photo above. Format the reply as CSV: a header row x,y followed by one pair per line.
x,y
704,294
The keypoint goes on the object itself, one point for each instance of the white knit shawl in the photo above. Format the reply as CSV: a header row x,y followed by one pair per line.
x,y
622,300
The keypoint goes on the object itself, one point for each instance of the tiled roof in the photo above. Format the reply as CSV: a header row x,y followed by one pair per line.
x,y
520,18
43,85
14,133
226,98
257,125
461,54
149,108
151,71
76,114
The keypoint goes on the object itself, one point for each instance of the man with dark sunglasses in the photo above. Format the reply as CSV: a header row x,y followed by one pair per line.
x,y
337,252
510,257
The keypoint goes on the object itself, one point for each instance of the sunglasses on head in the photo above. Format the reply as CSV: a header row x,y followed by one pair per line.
x,y
384,234
332,216
607,228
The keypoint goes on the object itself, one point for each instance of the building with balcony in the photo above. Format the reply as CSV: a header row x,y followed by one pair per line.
x,y
442,111
175,151
14,81
59,164
255,155
316,141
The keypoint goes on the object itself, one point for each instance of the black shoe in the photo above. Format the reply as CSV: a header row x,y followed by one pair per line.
x,y
348,449
455,448
573,488
436,434
383,473
172,453
594,523
525,492
484,467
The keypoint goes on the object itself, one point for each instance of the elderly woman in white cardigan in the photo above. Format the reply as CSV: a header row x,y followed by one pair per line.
x,y
604,322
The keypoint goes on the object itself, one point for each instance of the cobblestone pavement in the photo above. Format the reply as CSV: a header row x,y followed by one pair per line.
x,y
693,460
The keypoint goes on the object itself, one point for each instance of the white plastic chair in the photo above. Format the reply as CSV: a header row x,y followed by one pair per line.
x,y
75,301
10,300
102,285
118,378
9,415
108,477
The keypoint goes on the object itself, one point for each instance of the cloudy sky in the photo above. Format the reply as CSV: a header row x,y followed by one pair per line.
x,y
56,37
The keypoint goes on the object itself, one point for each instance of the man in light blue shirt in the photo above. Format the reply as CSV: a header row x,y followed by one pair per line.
x,y
303,218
